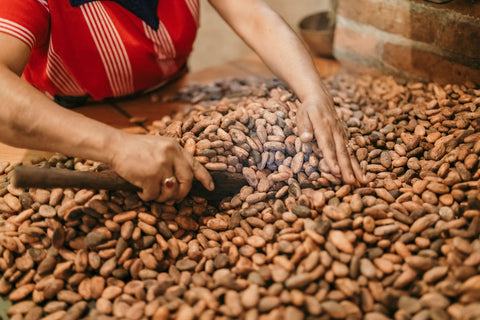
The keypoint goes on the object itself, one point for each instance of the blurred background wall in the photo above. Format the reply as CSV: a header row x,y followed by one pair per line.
x,y
216,43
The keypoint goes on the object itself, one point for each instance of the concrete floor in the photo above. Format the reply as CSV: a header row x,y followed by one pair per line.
x,y
216,43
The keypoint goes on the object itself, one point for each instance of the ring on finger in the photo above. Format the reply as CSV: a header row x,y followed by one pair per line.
x,y
348,146
170,182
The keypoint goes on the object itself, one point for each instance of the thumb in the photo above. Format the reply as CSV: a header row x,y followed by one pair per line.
x,y
200,173
304,125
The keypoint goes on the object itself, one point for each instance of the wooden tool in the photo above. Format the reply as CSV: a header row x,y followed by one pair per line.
x,y
226,183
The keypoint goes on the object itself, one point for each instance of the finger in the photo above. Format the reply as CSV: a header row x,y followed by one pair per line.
x,y
202,174
168,192
344,129
344,161
304,125
326,143
358,171
184,173
150,192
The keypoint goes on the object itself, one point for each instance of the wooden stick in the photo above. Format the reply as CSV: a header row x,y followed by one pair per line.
x,y
35,177
226,183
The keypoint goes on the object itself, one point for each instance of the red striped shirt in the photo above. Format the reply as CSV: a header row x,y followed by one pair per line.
x,y
99,49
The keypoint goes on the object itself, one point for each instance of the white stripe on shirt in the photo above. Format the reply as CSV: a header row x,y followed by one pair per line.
x,y
17,31
44,3
193,5
164,48
110,48
59,76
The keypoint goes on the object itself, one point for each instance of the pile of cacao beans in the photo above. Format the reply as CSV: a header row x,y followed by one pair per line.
x,y
296,243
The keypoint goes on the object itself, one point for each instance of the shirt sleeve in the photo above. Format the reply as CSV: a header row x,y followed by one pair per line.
x,y
26,20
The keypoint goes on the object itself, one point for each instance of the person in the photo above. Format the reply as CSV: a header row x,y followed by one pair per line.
x,y
54,50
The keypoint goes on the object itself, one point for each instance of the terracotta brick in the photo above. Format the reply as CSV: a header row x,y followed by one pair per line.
x,y
469,8
382,15
460,37
424,27
397,56
402,20
359,69
453,28
427,65
360,42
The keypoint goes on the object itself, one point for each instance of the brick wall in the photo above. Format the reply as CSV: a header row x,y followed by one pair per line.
x,y
410,38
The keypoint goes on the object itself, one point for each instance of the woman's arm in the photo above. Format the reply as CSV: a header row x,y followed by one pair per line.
x,y
28,119
266,33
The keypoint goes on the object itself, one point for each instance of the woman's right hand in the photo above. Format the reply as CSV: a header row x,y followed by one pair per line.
x,y
28,119
147,161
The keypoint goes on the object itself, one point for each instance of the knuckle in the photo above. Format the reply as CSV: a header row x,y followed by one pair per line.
x,y
171,146
187,177
150,176
330,146
183,192
161,163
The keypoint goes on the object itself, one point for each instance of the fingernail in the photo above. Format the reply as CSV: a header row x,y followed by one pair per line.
x,y
211,186
306,136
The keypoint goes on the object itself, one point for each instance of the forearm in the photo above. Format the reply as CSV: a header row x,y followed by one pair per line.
x,y
28,119
273,40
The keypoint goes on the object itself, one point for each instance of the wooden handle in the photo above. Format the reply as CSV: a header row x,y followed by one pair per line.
x,y
35,177
226,183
